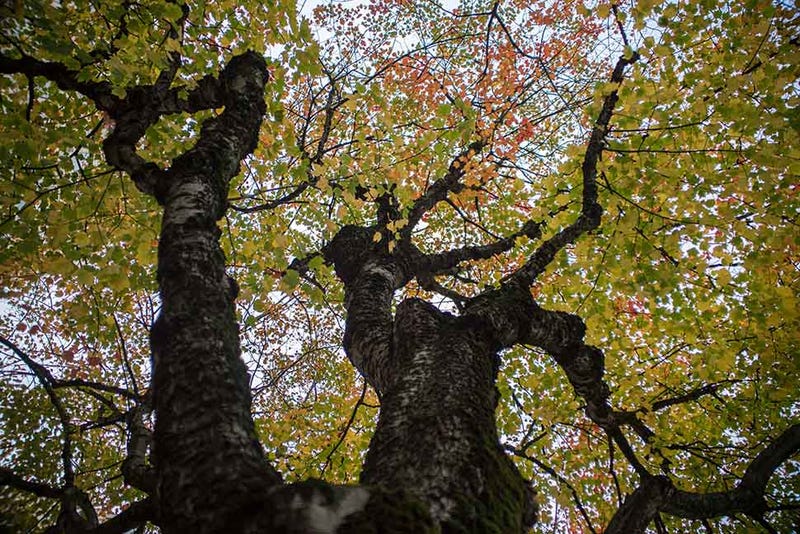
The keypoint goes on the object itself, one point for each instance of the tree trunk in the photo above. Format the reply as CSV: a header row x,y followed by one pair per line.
x,y
207,456
436,435
436,438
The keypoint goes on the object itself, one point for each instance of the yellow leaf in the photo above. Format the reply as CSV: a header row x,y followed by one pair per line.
x,y
85,277
60,265
280,241
119,282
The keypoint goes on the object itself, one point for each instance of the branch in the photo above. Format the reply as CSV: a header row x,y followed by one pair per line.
x,y
615,434
618,20
370,280
141,108
591,211
748,496
166,76
521,453
343,433
330,109
77,513
439,190
285,199
65,79
640,508
444,261
133,517
388,207
658,494
561,335
133,114
708,389
135,469
11,479
631,419
331,105
46,380
123,348
429,283
77,382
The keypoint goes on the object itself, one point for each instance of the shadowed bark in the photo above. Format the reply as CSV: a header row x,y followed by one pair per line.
x,y
202,395
436,437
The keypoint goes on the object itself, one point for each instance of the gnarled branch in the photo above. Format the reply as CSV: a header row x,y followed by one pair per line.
x,y
748,496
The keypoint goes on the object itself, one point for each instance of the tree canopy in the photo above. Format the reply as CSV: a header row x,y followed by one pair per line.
x,y
603,194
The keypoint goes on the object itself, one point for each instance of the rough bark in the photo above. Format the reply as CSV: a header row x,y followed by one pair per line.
x,y
434,464
436,433
436,437
206,449
641,507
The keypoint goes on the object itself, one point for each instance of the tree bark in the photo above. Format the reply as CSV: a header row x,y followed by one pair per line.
x,y
434,463
436,437
641,507
207,456
436,434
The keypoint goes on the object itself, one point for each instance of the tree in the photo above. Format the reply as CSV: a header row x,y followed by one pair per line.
x,y
555,234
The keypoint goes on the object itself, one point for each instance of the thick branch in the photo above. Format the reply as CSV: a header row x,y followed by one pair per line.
x,y
133,115
207,94
9,478
640,508
515,318
65,79
134,516
748,496
370,280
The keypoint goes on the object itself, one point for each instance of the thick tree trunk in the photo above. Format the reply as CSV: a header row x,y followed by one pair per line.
x,y
205,440
436,435
436,438
207,456
434,464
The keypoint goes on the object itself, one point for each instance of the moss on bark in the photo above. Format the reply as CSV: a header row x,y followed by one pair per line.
x,y
390,512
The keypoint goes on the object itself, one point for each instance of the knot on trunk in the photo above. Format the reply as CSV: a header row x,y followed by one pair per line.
x,y
505,311
350,250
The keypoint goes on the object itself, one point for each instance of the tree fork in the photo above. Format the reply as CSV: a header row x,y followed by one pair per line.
x,y
436,437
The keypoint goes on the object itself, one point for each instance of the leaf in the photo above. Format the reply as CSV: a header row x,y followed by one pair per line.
x,y
290,280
